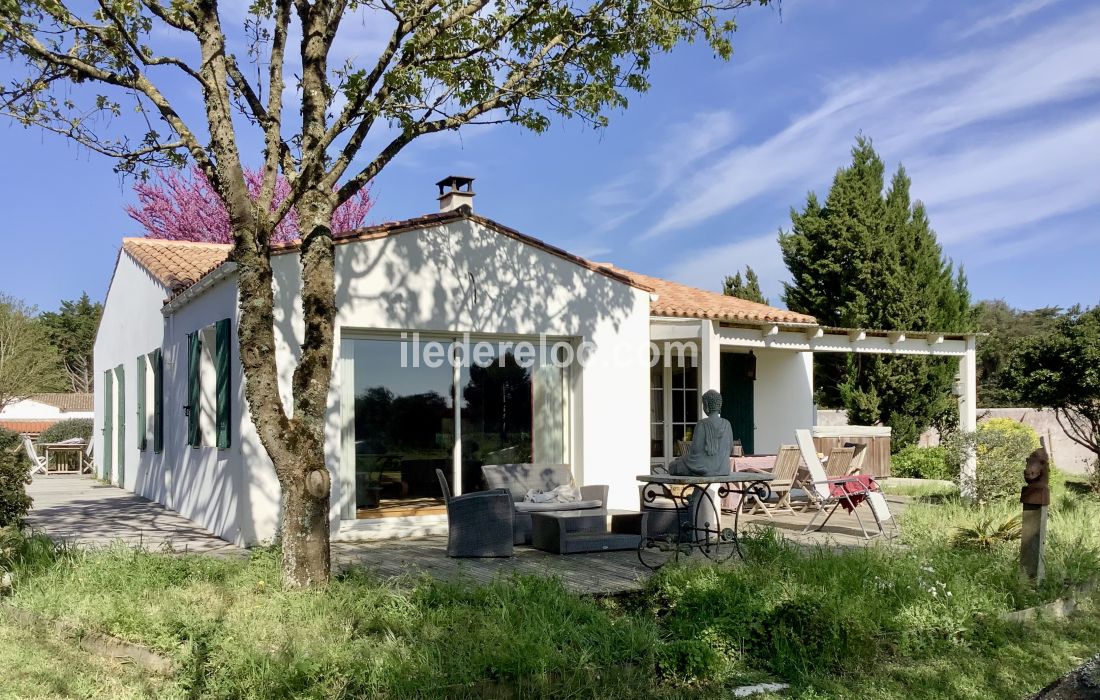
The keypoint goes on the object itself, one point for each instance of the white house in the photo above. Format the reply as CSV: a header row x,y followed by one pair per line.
x,y
32,415
459,342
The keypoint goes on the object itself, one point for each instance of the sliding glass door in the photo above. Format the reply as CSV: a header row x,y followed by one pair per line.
x,y
438,403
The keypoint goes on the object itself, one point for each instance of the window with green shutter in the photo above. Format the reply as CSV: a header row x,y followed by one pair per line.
x,y
221,360
142,442
194,358
120,400
108,423
158,400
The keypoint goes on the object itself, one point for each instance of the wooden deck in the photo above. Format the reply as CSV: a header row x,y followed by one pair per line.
x,y
599,573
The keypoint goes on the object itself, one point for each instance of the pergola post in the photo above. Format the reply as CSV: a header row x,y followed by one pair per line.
x,y
710,357
710,377
968,413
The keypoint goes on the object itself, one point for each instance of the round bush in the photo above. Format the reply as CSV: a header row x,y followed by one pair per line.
x,y
922,463
14,477
66,430
1002,446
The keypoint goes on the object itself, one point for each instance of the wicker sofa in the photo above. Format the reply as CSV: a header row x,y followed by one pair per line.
x,y
518,479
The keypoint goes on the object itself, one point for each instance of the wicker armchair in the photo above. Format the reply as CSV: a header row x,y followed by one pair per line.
x,y
479,524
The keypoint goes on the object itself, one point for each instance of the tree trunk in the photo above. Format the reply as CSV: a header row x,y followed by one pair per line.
x,y
295,443
305,538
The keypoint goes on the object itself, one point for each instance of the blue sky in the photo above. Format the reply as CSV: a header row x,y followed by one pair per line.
x,y
993,108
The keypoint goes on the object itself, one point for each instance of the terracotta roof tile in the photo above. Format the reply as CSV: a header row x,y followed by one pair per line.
x,y
68,402
176,264
179,265
21,426
680,300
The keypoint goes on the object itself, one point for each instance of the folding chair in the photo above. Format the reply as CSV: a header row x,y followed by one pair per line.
x,y
839,463
786,469
830,494
38,465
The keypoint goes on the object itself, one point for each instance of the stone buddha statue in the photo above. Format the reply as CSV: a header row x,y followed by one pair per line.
x,y
711,443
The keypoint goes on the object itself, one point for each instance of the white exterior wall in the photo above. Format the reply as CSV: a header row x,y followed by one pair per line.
x,y
463,277
783,397
131,325
231,492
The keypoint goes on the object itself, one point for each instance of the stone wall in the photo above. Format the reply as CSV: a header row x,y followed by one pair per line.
x,y
1067,454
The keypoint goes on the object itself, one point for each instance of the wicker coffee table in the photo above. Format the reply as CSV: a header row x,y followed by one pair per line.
x,y
574,531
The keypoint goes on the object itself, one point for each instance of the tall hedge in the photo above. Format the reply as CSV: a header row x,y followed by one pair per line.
x,y
14,477
67,429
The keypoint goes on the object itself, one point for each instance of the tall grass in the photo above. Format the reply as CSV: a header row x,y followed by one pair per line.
x,y
819,618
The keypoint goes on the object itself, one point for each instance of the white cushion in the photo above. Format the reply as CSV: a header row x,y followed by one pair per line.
x,y
528,507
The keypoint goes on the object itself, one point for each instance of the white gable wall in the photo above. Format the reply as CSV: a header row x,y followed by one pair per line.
x,y
464,277
131,325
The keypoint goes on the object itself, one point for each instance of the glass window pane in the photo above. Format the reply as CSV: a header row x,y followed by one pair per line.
x,y
512,412
691,406
677,405
404,426
657,441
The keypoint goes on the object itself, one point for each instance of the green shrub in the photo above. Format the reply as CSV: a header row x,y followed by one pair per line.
x,y
67,429
1002,446
987,534
922,463
14,477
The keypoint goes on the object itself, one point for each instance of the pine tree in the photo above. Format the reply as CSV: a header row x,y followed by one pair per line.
x,y
749,288
868,258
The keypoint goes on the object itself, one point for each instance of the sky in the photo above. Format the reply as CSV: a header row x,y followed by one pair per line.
x,y
992,107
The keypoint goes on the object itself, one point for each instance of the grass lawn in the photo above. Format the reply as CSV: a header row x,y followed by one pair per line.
x,y
915,621
39,664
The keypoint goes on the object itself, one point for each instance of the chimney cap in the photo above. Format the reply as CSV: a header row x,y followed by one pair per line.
x,y
456,183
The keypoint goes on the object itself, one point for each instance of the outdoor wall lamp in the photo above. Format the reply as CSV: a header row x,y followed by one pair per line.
x,y
750,367
187,410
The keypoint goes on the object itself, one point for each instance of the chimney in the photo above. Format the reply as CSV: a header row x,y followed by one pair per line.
x,y
455,191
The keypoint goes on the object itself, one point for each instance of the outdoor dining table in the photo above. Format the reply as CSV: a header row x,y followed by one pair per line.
x,y
687,494
73,447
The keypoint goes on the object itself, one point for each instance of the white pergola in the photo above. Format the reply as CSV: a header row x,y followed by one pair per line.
x,y
713,335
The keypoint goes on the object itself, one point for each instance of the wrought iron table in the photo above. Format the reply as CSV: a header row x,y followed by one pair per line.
x,y
712,540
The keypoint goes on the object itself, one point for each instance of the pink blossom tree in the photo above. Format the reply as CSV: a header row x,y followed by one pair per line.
x,y
180,206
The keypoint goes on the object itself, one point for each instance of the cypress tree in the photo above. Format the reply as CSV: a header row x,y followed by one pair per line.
x,y
868,258
748,289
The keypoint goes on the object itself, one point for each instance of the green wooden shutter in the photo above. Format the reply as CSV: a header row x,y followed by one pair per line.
x,y
108,424
141,426
120,376
221,359
194,357
158,401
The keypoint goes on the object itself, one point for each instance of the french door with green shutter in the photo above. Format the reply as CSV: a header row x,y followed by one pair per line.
x,y
120,380
737,398
108,425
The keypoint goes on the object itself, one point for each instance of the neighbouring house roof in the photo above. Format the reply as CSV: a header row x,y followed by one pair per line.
x,y
176,264
32,427
179,265
68,403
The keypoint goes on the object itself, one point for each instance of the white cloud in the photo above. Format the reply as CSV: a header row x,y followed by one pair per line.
x,y
680,147
911,109
706,268
1010,15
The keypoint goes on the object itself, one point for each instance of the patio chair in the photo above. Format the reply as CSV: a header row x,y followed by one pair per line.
x,y
831,493
862,449
840,462
38,465
479,524
784,473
